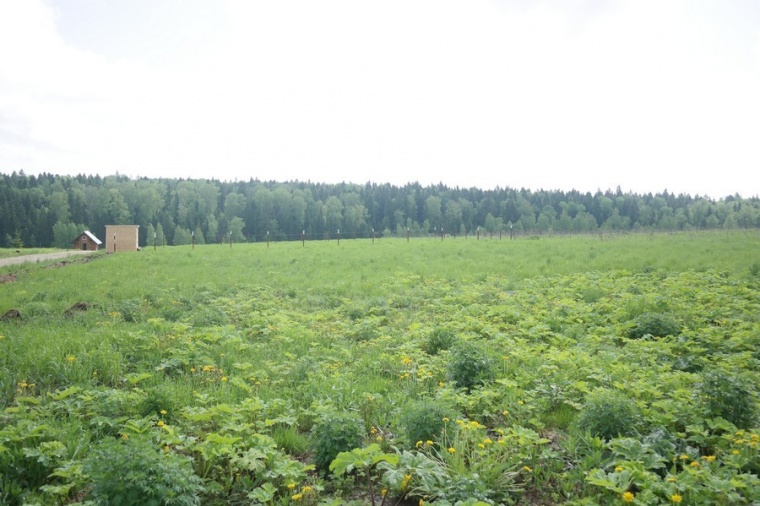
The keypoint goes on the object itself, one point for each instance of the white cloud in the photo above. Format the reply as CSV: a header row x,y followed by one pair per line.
x,y
645,95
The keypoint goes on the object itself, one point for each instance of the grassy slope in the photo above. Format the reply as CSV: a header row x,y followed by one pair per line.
x,y
326,325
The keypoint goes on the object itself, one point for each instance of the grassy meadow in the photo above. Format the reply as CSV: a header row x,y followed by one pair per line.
x,y
557,370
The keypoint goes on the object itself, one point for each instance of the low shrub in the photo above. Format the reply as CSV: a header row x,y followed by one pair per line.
x,y
469,366
655,324
439,339
424,420
135,471
335,433
729,397
608,414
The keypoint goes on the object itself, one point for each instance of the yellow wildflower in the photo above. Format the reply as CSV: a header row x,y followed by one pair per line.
x,y
694,464
445,419
670,479
160,423
684,457
306,489
163,411
429,442
291,486
384,492
379,439
619,469
124,436
487,441
735,452
708,458
676,498
527,468
224,378
418,444
452,451
296,497
481,446
628,497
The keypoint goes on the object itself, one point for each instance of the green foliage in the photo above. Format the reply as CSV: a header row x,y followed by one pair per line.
x,y
469,365
425,420
362,460
654,324
136,471
236,372
730,397
440,338
335,433
608,414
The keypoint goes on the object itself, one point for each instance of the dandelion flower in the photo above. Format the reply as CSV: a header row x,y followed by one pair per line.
x,y
291,486
676,498
296,497
160,423
694,464
452,451
306,489
527,468
163,411
708,458
619,469
628,497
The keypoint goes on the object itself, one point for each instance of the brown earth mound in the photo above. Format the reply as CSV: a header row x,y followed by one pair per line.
x,y
79,307
7,278
11,315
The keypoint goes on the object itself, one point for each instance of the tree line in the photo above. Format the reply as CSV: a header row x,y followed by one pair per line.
x,y
51,210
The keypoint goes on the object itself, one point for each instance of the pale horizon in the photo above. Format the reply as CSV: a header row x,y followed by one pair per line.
x,y
581,95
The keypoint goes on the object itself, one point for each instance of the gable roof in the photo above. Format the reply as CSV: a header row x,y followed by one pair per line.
x,y
94,239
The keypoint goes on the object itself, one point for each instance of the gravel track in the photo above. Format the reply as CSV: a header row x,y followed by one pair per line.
x,y
41,257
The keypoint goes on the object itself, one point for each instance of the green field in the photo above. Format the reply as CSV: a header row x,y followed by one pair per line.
x,y
580,370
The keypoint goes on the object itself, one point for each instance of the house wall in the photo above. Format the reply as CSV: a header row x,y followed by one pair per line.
x,y
126,238
89,243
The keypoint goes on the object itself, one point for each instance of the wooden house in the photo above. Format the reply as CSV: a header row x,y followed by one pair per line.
x,y
86,241
121,238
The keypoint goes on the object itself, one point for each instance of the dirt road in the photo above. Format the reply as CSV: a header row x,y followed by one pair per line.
x,y
41,257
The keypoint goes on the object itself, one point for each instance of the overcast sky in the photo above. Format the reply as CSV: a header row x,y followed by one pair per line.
x,y
566,94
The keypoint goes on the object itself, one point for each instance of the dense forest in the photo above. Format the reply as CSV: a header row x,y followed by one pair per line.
x,y
51,210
